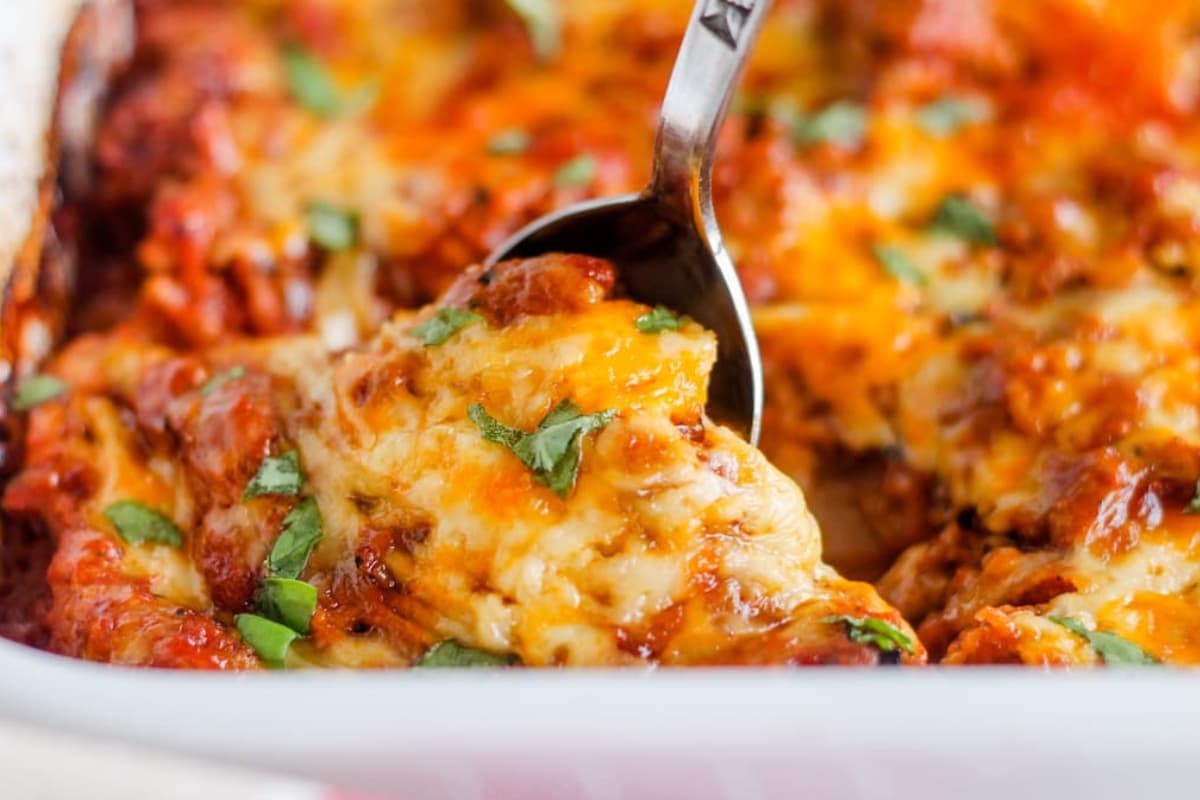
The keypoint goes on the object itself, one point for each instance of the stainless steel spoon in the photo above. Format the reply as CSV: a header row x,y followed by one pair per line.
x,y
665,241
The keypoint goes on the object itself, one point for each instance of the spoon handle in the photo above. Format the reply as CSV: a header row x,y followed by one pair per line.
x,y
719,37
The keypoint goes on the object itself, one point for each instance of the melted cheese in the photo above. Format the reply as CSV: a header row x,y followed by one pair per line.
x,y
1039,393
510,567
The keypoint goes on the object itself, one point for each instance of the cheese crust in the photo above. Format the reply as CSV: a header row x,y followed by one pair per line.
x,y
968,231
676,544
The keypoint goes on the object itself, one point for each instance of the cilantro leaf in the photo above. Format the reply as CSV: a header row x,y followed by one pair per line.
x,y
137,522
493,429
843,123
331,227
444,324
288,601
217,381
1193,507
579,171
542,26
542,449
276,476
958,216
1112,649
897,264
512,142
552,452
37,389
660,319
310,83
268,638
301,532
450,653
868,630
946,115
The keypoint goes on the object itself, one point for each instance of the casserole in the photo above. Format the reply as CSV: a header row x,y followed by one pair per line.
x,y
986,396
1033,530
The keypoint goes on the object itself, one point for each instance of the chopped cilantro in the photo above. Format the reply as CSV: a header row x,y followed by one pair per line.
x,y
450,653
868,630
946,115
958,216
137,522
553,451
288,601
897,264
331,227
310,83
579,171
512,142
269,639
542,25
37,389
1113,649
444,324
660,319
276,476
843,123
301,532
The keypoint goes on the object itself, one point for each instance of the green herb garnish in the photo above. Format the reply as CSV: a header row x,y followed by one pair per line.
x,y
444,324
843,123
288,601
37,389
276,476
137,522
542,25
579,171
269,639
660,319
553,451
217,381
868,630
897,264
958,216
450,653
301,532
309,81
509,143
1112,649
946,115
331,227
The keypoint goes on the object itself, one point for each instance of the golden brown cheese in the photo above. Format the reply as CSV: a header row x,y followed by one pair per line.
x,y
995,431
678,544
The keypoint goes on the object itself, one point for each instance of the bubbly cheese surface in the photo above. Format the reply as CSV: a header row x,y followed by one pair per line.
x,y
676,542
967,231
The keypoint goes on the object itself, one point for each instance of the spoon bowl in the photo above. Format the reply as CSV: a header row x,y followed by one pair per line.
x,y
665,242
665,261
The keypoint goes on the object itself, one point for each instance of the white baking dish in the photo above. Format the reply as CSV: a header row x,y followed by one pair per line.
x,y
978,734
968,734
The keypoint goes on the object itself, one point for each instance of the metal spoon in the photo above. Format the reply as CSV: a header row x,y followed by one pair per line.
x,y
665,241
